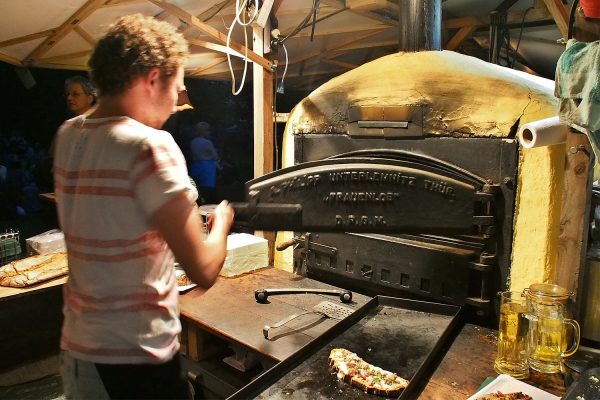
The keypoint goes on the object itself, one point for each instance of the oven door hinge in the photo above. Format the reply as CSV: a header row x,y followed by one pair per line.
x,y
486,198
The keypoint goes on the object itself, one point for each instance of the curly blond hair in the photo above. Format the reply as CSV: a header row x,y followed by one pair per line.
x,y
133,45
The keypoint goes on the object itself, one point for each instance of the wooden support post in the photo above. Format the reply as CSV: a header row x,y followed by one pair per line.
x,y
559,13
574,211
263,120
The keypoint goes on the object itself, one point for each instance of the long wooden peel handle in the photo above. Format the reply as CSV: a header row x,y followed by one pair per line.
x,y
285,245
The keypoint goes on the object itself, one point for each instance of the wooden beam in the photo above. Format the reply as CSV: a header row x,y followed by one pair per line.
x,y
276,6
338,31
463,34
368,45
375,17
199,71
86,36
484,20
335,46
334,3
88,8
216,47
68,56
484,42
112,3
338,63
74,67
210,12
370,5
27,38
209,30
10,59
365,8
574,211
559,13
305,32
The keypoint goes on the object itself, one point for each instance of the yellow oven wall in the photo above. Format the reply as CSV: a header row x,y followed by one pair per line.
x,y
468,98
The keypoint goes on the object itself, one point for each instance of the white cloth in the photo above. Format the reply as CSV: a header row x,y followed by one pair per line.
x,y
578,88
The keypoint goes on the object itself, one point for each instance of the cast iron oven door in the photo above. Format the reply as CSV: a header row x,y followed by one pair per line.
x,y
383,191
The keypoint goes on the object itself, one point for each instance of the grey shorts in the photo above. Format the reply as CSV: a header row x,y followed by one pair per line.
x,y
80,379
88,380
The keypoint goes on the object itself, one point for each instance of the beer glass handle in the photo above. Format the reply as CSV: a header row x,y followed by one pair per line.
x,y
576,332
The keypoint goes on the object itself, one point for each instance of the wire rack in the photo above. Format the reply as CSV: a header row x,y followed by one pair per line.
x,y
10,246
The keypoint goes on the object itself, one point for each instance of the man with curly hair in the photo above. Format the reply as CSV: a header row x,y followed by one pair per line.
x,y
127,208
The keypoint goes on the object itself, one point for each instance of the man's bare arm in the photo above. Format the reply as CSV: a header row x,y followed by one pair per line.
x,y
179,224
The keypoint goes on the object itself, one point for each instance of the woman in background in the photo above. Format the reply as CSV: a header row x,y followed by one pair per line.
x,y
80,94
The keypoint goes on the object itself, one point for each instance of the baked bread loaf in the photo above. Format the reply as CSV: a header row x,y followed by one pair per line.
x,y
34,269
353,369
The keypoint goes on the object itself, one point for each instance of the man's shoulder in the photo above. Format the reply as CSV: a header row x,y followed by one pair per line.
x,y
134,131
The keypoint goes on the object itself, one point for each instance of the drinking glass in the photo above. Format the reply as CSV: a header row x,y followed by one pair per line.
x,y
549,337
512,336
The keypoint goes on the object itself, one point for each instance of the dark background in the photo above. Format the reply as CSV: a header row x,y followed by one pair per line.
x,y
38,111
34,114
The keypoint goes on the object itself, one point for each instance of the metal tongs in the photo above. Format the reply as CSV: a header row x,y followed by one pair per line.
x,y
325,308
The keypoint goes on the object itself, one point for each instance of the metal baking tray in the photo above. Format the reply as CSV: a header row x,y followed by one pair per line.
x,y
400,335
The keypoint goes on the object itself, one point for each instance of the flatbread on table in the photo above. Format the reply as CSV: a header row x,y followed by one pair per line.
x,y
353,369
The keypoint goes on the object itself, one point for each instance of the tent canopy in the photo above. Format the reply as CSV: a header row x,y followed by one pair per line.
x,y
347,33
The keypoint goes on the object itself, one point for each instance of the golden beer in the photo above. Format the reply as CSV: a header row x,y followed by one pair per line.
x,y
549,333
512,337
547,342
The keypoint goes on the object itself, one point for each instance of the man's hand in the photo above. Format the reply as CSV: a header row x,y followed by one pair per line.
x,y
179,223
221,218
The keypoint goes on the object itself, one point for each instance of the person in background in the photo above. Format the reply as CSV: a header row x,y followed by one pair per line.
x,y
205,162
127,218
80,94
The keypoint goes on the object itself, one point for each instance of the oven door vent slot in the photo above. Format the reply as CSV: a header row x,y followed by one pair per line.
x,y
388,122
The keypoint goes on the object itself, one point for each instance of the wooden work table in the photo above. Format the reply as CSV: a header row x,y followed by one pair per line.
x,y
229,310
11,293
469,361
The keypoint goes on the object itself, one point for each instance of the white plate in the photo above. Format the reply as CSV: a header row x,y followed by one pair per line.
x,y
508,384
178,272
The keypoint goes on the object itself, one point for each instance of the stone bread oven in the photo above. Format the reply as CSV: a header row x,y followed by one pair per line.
x,y
462,111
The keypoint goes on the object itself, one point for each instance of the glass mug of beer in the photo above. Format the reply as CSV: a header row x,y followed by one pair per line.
x,y
512,336
549,320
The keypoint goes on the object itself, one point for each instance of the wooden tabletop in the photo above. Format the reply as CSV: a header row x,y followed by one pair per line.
x,y
13,292
470,361
230,310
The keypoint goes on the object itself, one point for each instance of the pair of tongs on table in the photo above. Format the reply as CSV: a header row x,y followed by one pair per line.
x,y
325,308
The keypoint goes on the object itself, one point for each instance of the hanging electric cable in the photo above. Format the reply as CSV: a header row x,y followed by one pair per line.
x,y
280,87
304,23
239,10
516,52
314,20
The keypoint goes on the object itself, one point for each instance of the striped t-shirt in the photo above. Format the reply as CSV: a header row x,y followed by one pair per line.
x,y
120,301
